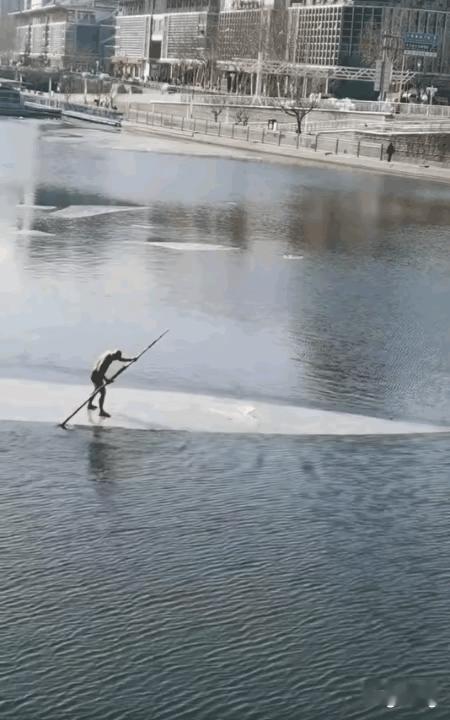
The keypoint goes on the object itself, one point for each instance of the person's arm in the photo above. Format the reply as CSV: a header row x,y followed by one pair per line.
x,y
124,360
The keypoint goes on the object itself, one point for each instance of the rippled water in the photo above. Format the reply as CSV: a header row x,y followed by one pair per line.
x,y
180,575
190,575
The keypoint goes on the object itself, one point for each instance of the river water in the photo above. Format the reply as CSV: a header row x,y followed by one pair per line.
x,y
207,575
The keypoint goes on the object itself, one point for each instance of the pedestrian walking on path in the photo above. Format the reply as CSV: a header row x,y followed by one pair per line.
x,y
390,150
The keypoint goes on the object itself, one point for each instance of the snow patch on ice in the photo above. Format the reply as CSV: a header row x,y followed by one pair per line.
x,y
41,208
189,246
73,212
32,231
34,401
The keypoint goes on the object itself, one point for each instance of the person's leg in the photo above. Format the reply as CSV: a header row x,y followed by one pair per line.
x,y
96,381
91,405
103,412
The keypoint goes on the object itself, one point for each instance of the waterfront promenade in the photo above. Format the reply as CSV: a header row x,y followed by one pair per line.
x,y
272,151
355,139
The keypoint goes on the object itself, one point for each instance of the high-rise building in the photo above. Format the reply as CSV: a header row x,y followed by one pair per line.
x,y
330,39
69,35
351,33
155,37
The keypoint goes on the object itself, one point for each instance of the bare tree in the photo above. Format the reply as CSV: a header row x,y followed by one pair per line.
x,y
242,117
189,68
217,110
371,43
377,34
205,64
67,86
300,107
197,64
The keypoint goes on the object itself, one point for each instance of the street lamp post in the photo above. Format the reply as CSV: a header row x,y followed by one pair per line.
x,y
85,75
101,77
258,84
419,68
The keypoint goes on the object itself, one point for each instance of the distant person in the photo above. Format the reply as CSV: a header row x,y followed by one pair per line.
x,y
390,150
98,376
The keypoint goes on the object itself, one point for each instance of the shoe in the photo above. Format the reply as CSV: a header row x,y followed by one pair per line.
x,y
103,413
92,407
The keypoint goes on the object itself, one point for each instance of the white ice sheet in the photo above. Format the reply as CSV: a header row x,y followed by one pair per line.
x,y
33,401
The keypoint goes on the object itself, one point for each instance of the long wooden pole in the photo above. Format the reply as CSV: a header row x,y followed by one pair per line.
x,y
122,369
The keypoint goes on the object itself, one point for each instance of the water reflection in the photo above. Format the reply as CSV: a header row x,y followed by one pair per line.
x,y
101,457
60,196
364,222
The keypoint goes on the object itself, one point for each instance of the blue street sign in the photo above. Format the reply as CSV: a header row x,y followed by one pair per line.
x,y
418,43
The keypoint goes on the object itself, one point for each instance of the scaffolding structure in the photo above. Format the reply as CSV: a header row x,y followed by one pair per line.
x,y
321,72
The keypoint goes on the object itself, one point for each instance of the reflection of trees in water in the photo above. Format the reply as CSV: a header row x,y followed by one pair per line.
x,y
358,222
94,238
80,242
317,220
63,196
28,160
87,243
236,224
224,224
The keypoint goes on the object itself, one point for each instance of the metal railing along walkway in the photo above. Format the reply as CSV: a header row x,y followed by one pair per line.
x,y
346,104
252,134
73,107
327,143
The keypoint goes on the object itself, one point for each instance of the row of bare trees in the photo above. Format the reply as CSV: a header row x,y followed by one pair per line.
x,y
296,107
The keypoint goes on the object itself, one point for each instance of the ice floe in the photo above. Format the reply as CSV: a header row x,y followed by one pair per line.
x,y
189,246
35,401
73,212
32,231
40,208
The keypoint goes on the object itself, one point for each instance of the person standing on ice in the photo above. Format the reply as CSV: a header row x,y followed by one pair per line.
x,y
98,376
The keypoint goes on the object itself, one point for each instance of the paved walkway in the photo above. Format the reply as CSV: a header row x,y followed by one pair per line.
x,y
421,170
